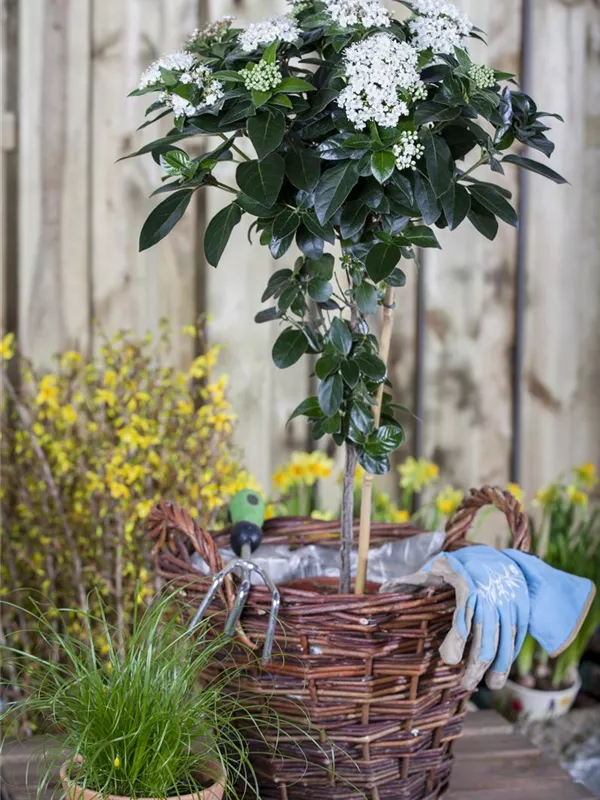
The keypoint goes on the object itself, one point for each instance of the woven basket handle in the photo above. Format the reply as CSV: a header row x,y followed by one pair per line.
x,y
460,523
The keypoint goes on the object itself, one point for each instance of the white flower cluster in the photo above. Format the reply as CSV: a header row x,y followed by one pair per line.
x,y
280,27
418,91
176,62
261,77
377,70
439,26
366,13
209,91
483,77
214,30
408,150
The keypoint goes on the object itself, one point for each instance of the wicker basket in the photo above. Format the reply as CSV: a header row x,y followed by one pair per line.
x,y
357,675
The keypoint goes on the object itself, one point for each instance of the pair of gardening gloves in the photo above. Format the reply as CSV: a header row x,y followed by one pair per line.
x,y
501,595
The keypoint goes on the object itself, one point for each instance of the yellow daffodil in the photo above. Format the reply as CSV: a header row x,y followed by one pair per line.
x,y
7,347
516,491
325,516
547,495
448,500
576,497
586,475
399,515
417,474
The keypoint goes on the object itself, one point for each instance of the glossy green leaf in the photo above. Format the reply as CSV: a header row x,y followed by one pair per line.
x,y
491,199
353,218
366,298
307,408
420,236
262,180
371,366
396,278
285,223
327,365
218,232
384,440
439,164
381,260
325,232
294,85
320,290
267,315
340,336
163,218
266,131
383,163
289,347
376,465
534,166
333,188
456,203
483,220
350,373
303,168
426,200
331,394
430,111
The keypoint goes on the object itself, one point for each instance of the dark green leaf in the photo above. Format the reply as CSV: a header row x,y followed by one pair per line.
x,y
287,297
325,232
295,85
492,200
257,209
456,203
267,315
376,465
303,168
483,220
535,166
270,53
384,440
307,408
218,232
439,164
320,290
371,366
353,218
426,199
260,98
421,236
396,278
237,112
366,298
279,245
326,365
340,336
285,223
321,267
163,218
429,111
289,347
361,418
309,244
333,188
262,180
350,373
331,394
381,260
383,163
277,282
333,424
266,131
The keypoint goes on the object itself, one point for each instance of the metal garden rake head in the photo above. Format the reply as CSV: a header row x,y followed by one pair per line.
x,y
246,536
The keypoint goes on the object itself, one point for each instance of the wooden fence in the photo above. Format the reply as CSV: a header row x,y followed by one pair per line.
x,y
496,345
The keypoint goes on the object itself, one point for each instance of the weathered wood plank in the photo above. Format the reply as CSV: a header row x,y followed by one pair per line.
x,y
469,315
53,180
133,290
562,370
262,395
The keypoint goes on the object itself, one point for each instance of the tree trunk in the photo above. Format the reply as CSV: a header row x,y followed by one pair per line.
x,y
347,521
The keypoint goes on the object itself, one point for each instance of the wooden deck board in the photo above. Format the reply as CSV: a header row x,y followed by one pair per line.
x,y
492,763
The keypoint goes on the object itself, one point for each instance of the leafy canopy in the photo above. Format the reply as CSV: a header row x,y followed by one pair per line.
x,y
351,128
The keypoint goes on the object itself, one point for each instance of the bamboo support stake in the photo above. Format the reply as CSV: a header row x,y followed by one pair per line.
x,y
364,537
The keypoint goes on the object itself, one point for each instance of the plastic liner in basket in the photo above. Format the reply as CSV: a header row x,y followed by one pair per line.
x,y
390,561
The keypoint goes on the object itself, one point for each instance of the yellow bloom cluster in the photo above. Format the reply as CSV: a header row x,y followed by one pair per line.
x,y
584,478
118,433
448,500
416,474
303,469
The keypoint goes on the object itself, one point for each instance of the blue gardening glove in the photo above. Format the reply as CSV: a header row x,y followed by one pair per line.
x,y
500,597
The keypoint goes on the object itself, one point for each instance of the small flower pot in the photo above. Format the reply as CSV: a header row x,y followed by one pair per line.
x,y
215,791
519,703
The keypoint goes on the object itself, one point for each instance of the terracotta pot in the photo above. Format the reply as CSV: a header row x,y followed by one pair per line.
x,y
518,702
74,792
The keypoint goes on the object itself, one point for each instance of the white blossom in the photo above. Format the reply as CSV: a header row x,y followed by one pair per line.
x,y
483,77
176,62
261,77
379,70
280,27
418,91
408,150
209,91
366,13
214,30
439,26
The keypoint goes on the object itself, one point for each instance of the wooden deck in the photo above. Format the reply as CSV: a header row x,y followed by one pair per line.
x,y
492,763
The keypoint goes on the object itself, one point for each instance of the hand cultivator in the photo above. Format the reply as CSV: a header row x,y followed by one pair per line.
x,y
247,515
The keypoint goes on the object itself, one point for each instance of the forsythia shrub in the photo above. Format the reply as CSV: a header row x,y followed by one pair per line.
x,y
86,451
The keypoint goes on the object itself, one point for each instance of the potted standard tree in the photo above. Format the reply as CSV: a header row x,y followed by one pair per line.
x,y
357,134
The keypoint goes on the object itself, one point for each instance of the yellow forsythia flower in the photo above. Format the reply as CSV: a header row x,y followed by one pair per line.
x,y
69,414
106,397
7,347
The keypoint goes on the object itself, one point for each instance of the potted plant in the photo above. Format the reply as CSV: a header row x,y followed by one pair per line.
x,y
134,719
353,134
568,538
